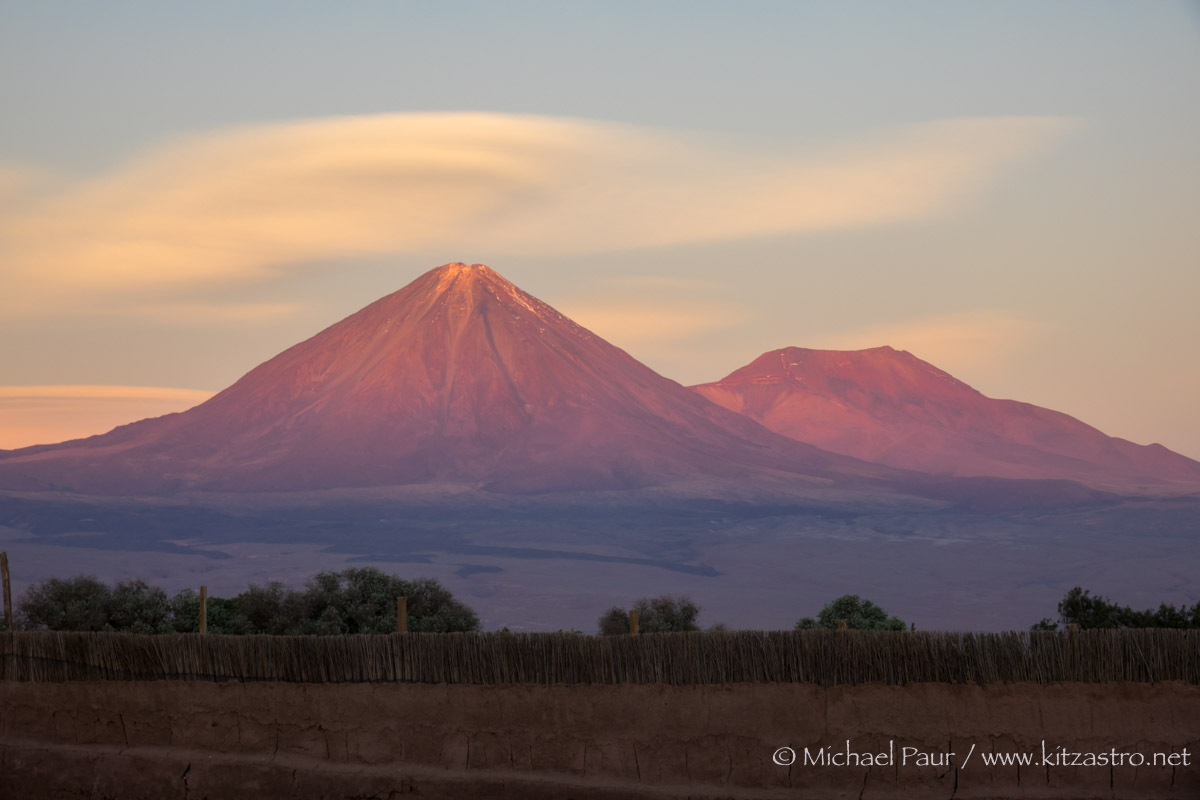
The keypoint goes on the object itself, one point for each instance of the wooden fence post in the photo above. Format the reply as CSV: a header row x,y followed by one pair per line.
x,y
842,625
1073,639
401,615
8,610
204,609
633,622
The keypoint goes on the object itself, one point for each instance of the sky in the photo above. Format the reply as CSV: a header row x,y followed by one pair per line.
x,y
1009,191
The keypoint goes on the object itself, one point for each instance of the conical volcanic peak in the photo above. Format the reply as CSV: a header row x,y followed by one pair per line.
x,y
460,288
890,407
459,377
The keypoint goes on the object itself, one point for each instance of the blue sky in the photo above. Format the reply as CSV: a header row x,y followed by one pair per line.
x,y
1048,257
135,73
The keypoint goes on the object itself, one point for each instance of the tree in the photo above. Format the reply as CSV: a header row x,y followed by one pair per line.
x,y
72,604
272,609
859,614
1080,607
355,600
224,615
665,612
83,603
613,622
138,608
185,611
432,608
363,600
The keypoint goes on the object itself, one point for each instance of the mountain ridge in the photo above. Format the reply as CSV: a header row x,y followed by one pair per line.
x,y
461,378
888,406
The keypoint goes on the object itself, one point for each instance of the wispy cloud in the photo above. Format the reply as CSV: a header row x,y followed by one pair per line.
x,y
11,394
45,414
240,203
192,313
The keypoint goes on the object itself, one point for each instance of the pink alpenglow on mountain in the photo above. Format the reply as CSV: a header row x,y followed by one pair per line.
x,y
890,407
459,377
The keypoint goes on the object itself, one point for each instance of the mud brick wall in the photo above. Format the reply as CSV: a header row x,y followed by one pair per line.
x,y
191,740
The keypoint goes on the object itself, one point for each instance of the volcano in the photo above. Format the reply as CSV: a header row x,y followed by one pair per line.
x,y
460,378
890,407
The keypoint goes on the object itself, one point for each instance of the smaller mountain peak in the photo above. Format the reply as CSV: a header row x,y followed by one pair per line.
x,y
793,349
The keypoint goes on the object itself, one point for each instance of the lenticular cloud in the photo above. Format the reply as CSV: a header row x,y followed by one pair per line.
x,y
236,203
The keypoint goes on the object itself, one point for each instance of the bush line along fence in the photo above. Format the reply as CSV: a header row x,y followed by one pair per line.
x,y
822,657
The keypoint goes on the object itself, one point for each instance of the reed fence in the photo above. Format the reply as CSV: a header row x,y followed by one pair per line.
x,y
821,657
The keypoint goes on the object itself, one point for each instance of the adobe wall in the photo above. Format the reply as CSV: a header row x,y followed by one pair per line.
x,y
190,740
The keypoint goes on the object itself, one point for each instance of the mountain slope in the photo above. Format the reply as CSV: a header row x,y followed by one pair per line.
x,y
890,407
458,377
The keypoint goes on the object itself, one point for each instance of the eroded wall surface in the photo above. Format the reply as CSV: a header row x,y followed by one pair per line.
x,y
179,739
